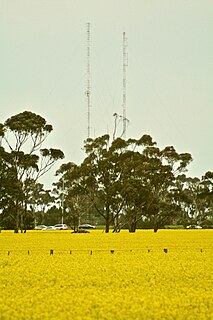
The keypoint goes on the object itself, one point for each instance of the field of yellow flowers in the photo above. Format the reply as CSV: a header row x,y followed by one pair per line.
x,y
146,275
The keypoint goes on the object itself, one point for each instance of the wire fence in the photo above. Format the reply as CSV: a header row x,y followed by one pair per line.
x,y
103,251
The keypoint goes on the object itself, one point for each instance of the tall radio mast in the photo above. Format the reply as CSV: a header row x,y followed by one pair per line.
x,y
88,90
125,64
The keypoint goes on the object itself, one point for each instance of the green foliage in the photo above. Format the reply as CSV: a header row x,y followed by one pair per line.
x,y
23,160
127,181
124,183
27,122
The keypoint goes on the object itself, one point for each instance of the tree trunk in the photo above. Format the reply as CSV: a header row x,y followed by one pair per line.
x,y
107,219
16,219
21,223
16,223
42,217
133,225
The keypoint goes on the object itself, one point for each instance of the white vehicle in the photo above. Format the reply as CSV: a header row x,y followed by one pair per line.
x,y
61,226
50,228
193,226
87,226
40,227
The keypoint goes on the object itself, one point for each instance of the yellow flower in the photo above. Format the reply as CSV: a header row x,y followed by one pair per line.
x,y
106,276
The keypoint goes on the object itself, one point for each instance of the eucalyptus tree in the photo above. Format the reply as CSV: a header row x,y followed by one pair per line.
x,y
126,181
11,193
97,178
22,136
77,209
192,205
6,176
37,201
44,202
206,197
73,203
195,198
173,165
149,181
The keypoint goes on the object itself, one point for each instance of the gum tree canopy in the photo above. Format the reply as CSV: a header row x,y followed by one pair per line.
x,y
22,137
126,181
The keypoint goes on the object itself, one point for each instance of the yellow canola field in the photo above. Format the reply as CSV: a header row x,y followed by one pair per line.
x,y
106,276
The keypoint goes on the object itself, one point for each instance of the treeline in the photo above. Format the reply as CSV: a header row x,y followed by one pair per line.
x,y
120,183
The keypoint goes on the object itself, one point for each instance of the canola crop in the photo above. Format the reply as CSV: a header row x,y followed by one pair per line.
x,y
106,276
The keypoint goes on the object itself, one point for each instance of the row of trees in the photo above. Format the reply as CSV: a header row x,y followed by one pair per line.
x,y
132,182
120,183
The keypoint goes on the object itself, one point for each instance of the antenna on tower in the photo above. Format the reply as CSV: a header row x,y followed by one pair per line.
x,y
88,90
125,64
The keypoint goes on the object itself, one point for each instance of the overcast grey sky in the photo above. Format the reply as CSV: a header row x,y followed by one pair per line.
x,y
169,76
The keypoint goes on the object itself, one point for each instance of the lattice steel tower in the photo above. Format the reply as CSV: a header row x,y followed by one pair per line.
x,y
125,64
88,90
